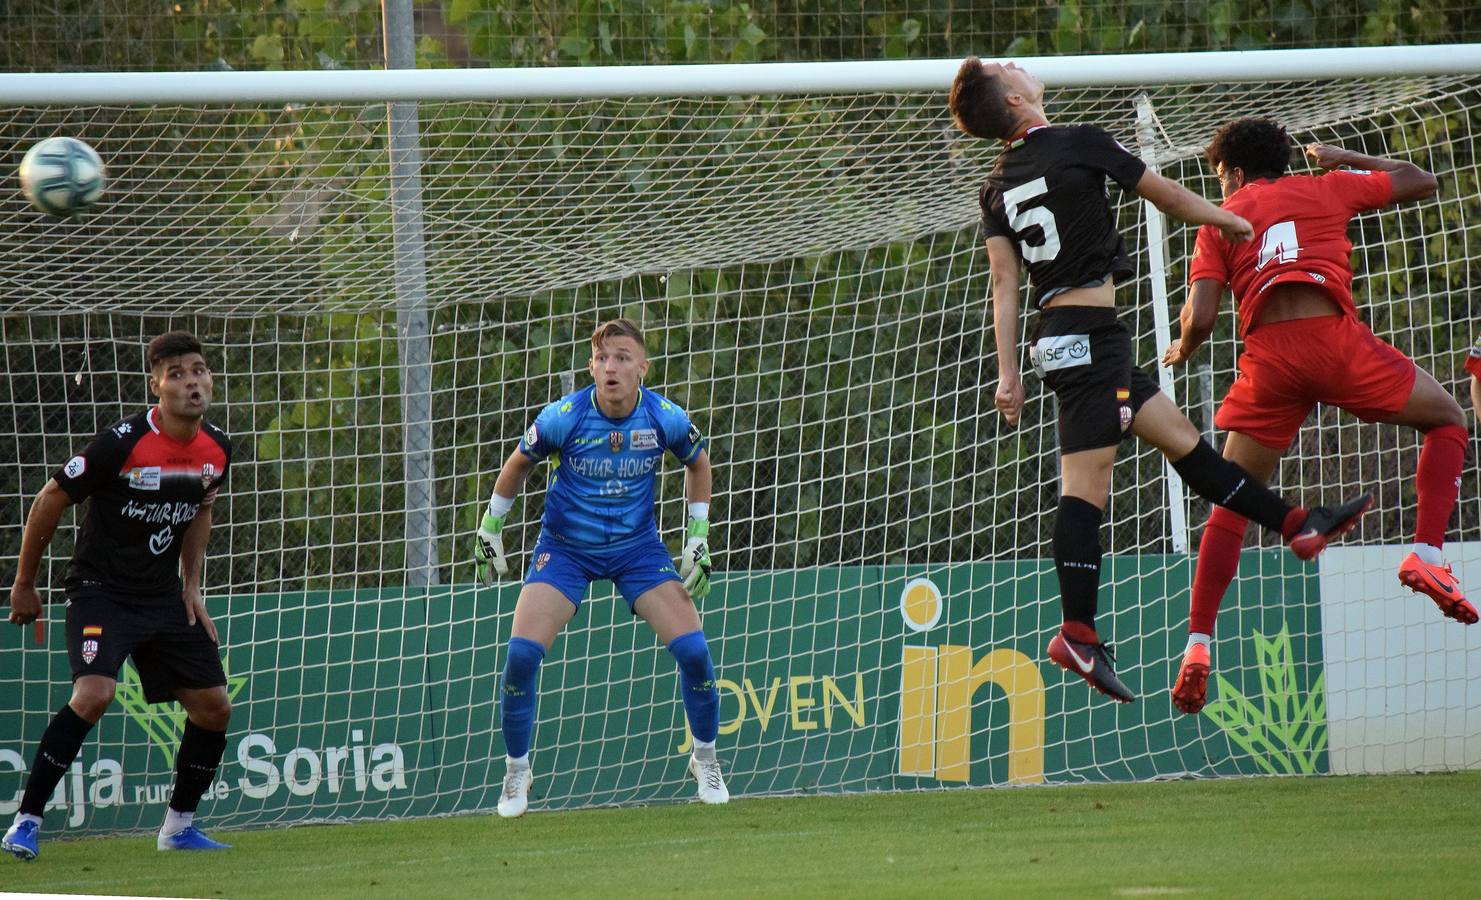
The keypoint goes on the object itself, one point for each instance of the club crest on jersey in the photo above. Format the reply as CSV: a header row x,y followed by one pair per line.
x,y
645,439
542,561
89,651
144,478
208,474
614,440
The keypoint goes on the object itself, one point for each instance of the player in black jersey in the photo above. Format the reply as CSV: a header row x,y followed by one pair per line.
x,y
1045,204
151,480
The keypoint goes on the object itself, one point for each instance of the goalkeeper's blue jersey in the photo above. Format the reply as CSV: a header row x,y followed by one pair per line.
x,y
601,489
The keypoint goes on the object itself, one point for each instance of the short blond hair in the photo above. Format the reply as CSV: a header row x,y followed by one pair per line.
x,y
618,328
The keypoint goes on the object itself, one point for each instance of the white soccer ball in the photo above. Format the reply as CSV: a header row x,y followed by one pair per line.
x,y
62,176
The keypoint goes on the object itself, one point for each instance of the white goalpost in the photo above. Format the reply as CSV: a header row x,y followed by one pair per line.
x,y
386,313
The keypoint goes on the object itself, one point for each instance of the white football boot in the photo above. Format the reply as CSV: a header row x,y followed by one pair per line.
x,y
706,770
515,798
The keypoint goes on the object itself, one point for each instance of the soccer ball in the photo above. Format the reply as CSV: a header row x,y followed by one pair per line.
x,y
62,176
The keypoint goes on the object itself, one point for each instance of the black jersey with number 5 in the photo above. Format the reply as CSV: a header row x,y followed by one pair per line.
x,y
1048,195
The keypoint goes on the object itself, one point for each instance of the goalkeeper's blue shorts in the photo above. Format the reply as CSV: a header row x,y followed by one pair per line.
x,y
635,568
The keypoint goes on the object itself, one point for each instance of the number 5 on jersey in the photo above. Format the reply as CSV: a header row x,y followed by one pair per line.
x,y
1021,219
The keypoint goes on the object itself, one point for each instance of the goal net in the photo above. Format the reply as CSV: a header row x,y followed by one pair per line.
x,y
810,273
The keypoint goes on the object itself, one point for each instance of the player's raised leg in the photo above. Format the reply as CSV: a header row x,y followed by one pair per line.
x,y
1433,411
666,607
208,710
539,615
1306,531
60,744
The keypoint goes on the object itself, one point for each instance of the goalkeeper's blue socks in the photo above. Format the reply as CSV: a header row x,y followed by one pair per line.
x,y
517,714
697,685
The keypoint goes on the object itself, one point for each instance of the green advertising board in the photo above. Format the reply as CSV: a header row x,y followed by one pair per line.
x,y
369,704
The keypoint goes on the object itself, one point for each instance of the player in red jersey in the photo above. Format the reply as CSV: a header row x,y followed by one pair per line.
x,y
1304,344
149,482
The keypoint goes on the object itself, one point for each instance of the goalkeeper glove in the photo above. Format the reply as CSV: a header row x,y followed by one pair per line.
x,y
694,564
488,551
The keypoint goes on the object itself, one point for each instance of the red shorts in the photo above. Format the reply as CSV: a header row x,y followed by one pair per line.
x,y
1289,367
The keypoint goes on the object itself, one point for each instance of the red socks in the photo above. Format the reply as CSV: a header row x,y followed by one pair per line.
x,y
1437,481
1218,561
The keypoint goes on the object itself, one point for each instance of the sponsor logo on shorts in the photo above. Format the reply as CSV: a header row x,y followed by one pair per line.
x,y
208,474
1062,351
144,478
89,651
645,439
75,467
542,561
615,440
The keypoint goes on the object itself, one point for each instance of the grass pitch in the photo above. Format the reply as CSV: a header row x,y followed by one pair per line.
x,y
1287,837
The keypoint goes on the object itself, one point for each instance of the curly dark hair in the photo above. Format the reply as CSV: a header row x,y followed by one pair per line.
x,y
1258,146
170,345
976,102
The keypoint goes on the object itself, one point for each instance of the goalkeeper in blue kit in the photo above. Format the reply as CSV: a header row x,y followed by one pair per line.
x,y
605,444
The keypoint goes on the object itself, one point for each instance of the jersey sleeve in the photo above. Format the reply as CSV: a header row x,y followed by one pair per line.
x,y
1208,257
226,450
681,436
994,222
89,470
1101,151
548,432
1359,189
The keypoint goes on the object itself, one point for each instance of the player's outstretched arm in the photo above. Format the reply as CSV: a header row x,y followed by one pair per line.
x,y
1410,181
489,558
694,562
1195,321
1002,259
41,526
1181,203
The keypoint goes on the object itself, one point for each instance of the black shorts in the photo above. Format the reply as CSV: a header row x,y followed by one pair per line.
x,y
1083,353
103,629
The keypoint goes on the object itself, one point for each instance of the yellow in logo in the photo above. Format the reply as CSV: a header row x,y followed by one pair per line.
x,y
936,689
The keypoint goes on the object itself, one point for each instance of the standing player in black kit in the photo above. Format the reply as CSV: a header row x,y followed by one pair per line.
x,y
1046,203
152,479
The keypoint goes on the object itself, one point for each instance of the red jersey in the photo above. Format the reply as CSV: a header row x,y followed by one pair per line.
x,y
1473,359
1300,224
